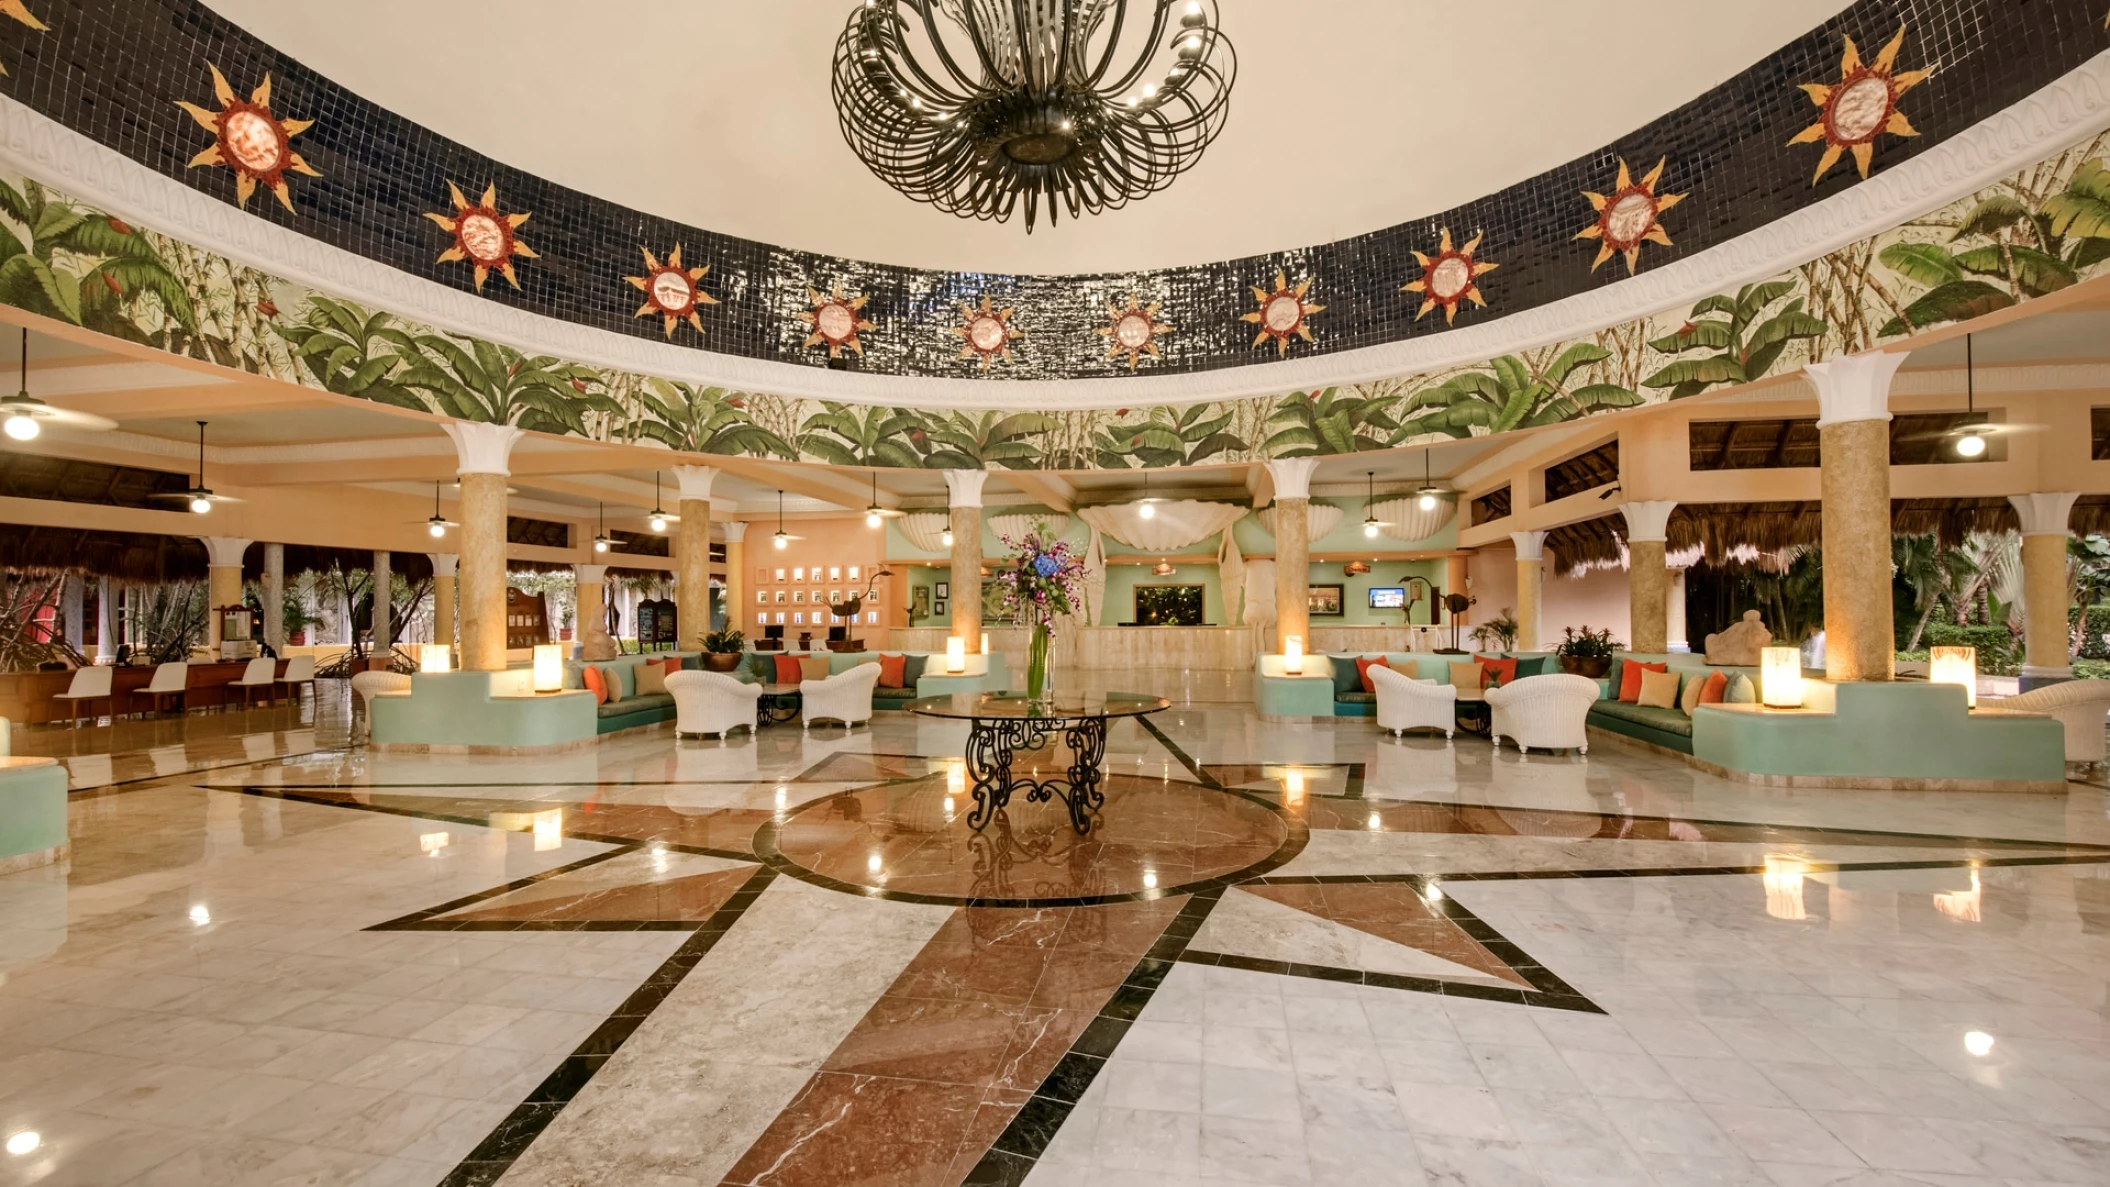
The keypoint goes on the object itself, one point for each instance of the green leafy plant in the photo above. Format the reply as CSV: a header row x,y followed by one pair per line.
x,y
726,642
705,420
1329,422
857,435
79,265
1171,437
1517,393
1745,342
354,352
1584,643
1498,633
984,441
483,381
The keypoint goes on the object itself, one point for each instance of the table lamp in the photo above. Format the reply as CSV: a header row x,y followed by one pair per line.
x,y
1955,665
1293,655
549,667
956,655
435,657
1780,679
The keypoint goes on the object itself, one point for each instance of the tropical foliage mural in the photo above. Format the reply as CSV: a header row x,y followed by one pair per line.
x,y
2041,230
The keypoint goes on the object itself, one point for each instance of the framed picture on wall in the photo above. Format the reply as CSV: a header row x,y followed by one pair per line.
x,y
798,574
780,597
944,591
874,599
835,572
761,576
761,597
798,595
939,606
919,602
834,596
780,574
780,618
1326,601
854,571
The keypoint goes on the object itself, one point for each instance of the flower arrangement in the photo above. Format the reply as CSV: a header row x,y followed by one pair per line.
x,y
1044,581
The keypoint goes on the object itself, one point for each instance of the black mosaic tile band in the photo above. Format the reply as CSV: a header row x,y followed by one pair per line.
x,y
1738,157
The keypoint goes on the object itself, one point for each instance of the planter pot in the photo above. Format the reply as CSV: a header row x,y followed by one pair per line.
x,y
721,661
1594,668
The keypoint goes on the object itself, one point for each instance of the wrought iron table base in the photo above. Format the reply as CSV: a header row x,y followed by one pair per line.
x,y
992,743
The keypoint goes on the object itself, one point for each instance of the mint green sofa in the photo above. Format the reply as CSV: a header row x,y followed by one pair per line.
x,y
1330,687
32,812
1670,729
632,710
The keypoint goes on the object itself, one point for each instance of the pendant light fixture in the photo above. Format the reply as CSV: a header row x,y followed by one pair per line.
x,y
780,541
945,538
200,497
1147,508
1430,494
601,542
658,519
24,413
1972,443
21,422
873,515
438,524
1371,523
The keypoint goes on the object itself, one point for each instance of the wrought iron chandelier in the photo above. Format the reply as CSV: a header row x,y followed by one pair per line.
x,y
1081,105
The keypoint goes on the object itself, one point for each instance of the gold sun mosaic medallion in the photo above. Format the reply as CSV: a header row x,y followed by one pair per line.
x,y
671,290
20,11
1450,276
1861,106
483,235
250,140
1630,216
1133,331
1283,313
986,332
836,321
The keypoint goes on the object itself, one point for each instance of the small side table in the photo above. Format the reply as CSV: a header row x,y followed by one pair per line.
x,y
778,704
1475,715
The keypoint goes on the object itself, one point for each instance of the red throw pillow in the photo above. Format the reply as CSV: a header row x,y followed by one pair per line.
x,y
1711,691
788,670
594,684
1630,679
1362,669
893,671
1499,671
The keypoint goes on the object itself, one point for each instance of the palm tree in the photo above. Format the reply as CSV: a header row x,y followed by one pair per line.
x,y
1932,572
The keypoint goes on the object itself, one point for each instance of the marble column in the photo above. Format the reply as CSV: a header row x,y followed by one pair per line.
x,y
2045,601
1292,478
1853,432
591,615
384,582
692,556
1531,579
73,597
105,621
443,597
1648,575
275,597
736,610
1678,641
223,585
964,497
484,453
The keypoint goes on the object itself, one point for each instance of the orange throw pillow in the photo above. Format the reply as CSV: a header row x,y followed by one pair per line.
x,y
1499,671
893,671
788,670
1630,679
1362,669
1711,691
594,684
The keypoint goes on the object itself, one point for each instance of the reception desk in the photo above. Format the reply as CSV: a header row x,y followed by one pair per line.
x,y
1373,639
29,697
1181,648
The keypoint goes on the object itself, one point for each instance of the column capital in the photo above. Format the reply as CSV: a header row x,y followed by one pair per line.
x,y
590,574
2044,514
1531,546
1648,520
482,448
443,563
1292,476
1854,387
224,552
735,530
695,481
964,487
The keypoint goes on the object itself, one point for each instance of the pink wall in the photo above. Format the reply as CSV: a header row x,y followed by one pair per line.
x,y
1597,599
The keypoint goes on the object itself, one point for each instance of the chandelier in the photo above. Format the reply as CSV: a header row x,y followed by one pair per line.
x,y
973,105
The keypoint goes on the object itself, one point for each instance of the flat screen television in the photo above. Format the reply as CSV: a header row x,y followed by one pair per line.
x,y
1388,597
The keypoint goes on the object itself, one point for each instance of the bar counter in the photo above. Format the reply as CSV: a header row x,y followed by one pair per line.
x,y
30,697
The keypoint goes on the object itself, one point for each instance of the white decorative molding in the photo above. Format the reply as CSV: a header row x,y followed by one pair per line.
x,y
1531,546
1647,520
695,481
926,530
1292,476
2044,514
482,448
224,552
443,563
1854,387
1406,522
1319,519
964,487
2073,106
590,574
735,530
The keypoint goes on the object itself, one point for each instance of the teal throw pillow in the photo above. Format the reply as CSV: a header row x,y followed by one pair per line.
x,y
912,670
1740,691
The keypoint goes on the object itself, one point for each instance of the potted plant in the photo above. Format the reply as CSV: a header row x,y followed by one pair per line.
x,y
721,650
1586,652
1498,635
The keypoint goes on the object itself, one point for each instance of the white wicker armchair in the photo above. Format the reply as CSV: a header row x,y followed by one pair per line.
x,y
368,685
711,703
844,697
1404,703
2079,705
1543,711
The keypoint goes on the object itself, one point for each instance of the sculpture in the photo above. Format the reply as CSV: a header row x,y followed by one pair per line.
x,y
1740,645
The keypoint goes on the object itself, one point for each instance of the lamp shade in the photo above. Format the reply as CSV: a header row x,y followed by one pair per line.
x,y
985,642
1780,680
1955,665
956,655
1293,655
435,657
549,667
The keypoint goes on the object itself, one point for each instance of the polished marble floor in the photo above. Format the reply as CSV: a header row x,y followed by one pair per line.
x,y
1288,954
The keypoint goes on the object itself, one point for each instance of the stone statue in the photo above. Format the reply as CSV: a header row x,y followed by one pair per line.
x,y
1740,645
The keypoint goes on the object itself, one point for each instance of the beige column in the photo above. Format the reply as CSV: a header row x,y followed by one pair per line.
x,y
275,596
736,608
443,597
964,497
1647,574
1531,578
484,452
1292,479
592,613
692,556
223,581
1678,641
1853,432
2045,601
384,579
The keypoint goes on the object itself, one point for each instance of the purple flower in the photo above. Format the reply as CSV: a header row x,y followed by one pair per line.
x,y
1046,566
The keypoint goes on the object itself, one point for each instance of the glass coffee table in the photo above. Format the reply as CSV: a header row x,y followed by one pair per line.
x,y
1003,723
778,704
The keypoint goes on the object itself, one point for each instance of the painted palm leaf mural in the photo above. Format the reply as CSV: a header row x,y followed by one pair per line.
x,y
76,264
1732,340
981,440
1516,392
696,419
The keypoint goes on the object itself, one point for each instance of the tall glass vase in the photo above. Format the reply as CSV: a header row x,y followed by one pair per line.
x,y
1037,663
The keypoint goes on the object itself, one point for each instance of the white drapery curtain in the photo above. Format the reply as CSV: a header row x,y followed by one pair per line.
x,y
1094,580
1230,573
1407,522
1174,526
1321,518
1260,598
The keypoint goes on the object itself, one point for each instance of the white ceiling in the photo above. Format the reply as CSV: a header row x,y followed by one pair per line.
x,y
2039,338
1348,116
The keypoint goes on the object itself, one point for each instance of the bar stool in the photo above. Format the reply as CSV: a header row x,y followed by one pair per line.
x,y
89,684
259,674
299,670
170,680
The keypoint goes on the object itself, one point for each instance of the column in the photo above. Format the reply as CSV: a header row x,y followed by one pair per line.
x,y
2045,656
223,586
591,615
443,597
105,621
964,497
692,556
483,452
736,573
1292,478
1678,641
1531,578
1647,574
1853,435
275,597
384,578
73,596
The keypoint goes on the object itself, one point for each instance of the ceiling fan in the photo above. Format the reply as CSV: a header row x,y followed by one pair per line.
x,y
438,524
876,514
1372,525
1971,436
783,538
199,497
25,413
1429,494
659,519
